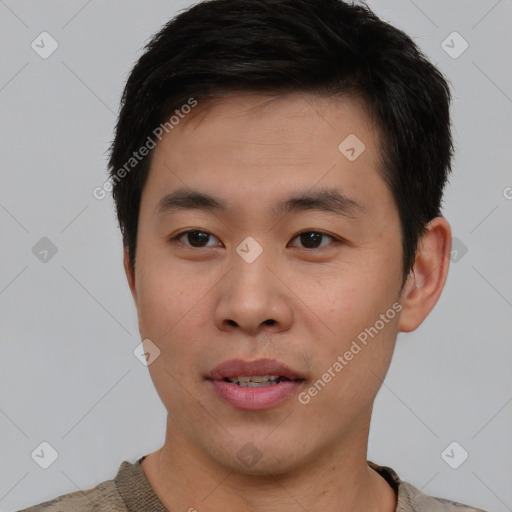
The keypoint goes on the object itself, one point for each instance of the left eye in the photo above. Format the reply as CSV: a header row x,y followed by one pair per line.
x,y
196,238
309,238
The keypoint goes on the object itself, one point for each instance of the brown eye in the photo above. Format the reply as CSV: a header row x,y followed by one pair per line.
x,y
313,239
194,238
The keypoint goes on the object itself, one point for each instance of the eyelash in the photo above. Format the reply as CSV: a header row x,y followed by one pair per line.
x,y
182,233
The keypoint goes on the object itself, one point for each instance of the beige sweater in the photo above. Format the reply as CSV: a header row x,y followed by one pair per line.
x,y
130,491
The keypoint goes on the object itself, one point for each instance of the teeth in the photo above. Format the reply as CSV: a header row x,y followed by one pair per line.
x,y
256,384
255,378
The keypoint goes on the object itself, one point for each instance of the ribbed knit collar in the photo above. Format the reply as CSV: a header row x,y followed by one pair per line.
x,y
139,496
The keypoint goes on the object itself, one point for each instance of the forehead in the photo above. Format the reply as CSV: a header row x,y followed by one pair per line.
x,y
295,123
252,146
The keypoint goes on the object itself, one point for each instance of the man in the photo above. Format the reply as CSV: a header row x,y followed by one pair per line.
x,y
277,170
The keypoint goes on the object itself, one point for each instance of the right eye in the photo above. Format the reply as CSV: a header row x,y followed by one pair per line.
x,y
195,237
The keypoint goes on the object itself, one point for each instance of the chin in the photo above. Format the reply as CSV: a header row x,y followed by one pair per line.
x,y
264,458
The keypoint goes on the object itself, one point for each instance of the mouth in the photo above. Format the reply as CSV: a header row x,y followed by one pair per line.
x,y
257,380
260,370
254,385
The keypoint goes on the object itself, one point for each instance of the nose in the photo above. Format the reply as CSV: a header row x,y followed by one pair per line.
x,y
253,297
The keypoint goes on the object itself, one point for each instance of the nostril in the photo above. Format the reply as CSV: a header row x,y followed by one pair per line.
x,y
270,321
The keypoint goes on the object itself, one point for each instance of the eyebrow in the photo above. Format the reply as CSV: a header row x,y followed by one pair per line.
x,y
324,199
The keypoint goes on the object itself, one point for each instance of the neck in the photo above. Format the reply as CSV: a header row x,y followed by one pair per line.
x,y
185,478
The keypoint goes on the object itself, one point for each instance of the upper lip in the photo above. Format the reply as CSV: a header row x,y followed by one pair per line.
x,y
239,367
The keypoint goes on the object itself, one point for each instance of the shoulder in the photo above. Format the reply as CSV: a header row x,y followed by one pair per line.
x,y
102,497
417,501
411,499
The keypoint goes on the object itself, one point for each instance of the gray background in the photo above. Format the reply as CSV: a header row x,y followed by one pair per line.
x,y
68,375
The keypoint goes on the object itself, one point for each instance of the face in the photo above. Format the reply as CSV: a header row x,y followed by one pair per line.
x,y
298,262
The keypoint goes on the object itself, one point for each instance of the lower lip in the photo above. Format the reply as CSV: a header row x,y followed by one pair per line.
x,y
255,398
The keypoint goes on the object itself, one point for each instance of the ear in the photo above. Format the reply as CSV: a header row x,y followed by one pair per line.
x,y
428,275
130,275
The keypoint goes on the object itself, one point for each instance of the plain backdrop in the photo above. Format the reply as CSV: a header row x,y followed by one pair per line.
x,y
68,374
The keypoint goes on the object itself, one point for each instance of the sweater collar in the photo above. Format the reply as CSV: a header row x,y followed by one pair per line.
x,y
139,495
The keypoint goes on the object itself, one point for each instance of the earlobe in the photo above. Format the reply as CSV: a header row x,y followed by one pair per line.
x,y
130,276
428,275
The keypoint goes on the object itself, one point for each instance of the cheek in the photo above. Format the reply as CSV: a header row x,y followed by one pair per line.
x,y
173,312
163,295
166,311
360,309
352,370
355,297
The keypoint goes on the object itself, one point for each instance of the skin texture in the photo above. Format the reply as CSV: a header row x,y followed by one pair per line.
x,y
204,305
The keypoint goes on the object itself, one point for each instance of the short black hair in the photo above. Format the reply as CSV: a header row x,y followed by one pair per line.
x,y
325,47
